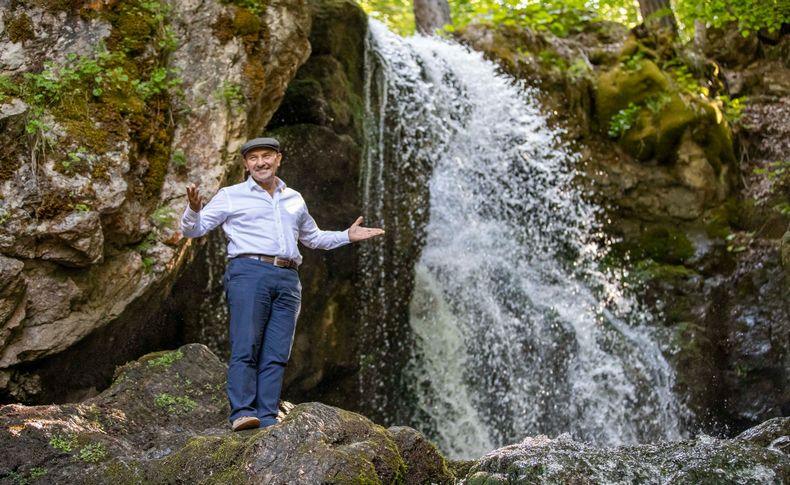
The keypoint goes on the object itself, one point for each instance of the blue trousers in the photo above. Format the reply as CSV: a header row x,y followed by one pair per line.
x,y
263,302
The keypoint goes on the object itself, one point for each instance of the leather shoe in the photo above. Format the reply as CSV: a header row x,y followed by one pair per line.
x,y
245,422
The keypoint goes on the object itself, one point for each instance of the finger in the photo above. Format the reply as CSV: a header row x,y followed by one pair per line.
x,y
358,221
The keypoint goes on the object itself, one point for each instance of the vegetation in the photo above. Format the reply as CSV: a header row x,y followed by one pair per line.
x,y
562,17
167,359
175,404
778,173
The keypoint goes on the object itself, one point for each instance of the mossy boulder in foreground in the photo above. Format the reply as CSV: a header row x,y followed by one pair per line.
x,y
164,421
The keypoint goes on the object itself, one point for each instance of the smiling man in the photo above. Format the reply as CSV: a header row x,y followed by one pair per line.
x,y
263,219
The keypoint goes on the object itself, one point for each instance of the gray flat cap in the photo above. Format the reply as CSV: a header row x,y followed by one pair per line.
x,y
260,143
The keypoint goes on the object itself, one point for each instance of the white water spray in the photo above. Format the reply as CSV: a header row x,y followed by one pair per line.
x,y
516,331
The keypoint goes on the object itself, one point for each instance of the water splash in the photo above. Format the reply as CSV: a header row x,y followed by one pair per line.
x,y
513,329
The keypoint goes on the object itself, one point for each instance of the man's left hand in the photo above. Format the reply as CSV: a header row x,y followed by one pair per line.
x,y
359,233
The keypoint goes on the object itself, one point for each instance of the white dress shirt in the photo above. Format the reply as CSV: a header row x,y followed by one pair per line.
x,y
258,223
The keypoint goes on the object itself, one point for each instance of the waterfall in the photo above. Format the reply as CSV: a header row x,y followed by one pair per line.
x,y
488,317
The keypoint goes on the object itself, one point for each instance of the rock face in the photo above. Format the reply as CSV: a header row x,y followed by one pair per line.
x,y
107,110
164,420
703,460
688,186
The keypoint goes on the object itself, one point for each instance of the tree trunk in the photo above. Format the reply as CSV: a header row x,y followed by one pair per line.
x,y
658,13
431,15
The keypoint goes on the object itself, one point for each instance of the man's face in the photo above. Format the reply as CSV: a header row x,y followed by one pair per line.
x,y
262,163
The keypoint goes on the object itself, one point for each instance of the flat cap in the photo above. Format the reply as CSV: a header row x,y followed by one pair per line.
x,y
260,143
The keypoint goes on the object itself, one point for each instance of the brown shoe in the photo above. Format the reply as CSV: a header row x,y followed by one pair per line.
x,y
245,422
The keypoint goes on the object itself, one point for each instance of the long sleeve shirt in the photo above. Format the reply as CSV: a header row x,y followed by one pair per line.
x,y
258,223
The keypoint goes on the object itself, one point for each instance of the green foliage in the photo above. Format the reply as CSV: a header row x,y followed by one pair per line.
x,y
732,108
148,264
397,14
684,79
161,80
738,242
37,472
162,216
178,159
561,17
624,120
7,88
778,173
79,207
749,15
167,359
231,94
92,453
3,217
657,102
65,443
175,404
634,62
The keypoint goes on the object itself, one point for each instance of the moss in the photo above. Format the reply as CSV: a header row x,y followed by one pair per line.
x,y
620,86
246,23
20,28
223,29
163,359
671,122
123,473
665,244
189,465
53,203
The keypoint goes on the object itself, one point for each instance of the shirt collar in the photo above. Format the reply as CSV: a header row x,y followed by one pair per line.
x,y
252,185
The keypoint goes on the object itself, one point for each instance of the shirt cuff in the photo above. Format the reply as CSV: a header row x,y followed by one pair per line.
x,y
344,238
189,218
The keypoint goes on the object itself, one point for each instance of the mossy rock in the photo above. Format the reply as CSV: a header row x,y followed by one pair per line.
x,y
672,121
618,87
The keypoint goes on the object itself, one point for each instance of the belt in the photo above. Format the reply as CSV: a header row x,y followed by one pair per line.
x,y
279,262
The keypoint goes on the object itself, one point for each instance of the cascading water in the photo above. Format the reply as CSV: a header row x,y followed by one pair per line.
x,y
510,329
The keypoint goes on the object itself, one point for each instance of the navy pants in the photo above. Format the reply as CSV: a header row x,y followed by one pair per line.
x,y
263,302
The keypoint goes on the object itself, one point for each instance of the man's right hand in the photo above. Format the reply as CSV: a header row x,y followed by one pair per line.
x,y
193,194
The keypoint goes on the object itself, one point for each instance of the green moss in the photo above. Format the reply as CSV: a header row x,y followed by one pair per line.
x,y
189,465
19,28
246,23
123,473
175,404
165,358
618,87
664,244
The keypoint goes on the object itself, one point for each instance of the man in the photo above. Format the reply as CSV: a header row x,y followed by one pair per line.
x,y
263,219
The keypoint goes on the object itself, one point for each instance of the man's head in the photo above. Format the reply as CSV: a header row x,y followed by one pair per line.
x,y
262,158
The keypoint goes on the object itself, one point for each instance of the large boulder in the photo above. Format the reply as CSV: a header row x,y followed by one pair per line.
x,y
538,460
164,420
121,105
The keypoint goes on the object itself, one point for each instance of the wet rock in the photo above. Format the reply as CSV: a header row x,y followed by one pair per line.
x,y
424,462
540,460
774,433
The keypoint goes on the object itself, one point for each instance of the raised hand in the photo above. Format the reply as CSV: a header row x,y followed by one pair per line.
x,y
193,194
359,233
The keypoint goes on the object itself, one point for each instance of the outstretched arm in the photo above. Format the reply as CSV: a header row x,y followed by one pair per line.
x,y
359,233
